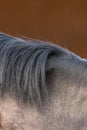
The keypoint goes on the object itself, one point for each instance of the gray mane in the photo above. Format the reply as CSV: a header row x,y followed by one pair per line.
x,y
23,67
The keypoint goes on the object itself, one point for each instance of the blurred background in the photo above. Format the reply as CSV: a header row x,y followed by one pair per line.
x,y
63,22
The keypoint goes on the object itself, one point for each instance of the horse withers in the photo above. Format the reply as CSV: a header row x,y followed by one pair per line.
x,y
42,86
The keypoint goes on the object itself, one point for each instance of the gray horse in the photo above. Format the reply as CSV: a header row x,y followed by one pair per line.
x,y
42,86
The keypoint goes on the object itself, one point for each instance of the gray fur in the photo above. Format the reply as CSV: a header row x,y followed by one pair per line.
x,y
36,72
23,66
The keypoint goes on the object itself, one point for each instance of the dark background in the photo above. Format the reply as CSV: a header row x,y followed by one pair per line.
x,y
61,21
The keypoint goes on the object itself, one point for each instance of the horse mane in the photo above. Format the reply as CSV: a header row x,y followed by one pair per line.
x,y
23,67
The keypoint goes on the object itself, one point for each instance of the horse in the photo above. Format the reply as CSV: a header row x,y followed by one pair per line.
x,y
42,86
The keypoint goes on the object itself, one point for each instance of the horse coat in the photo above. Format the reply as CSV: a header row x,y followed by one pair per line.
x,y
42,86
